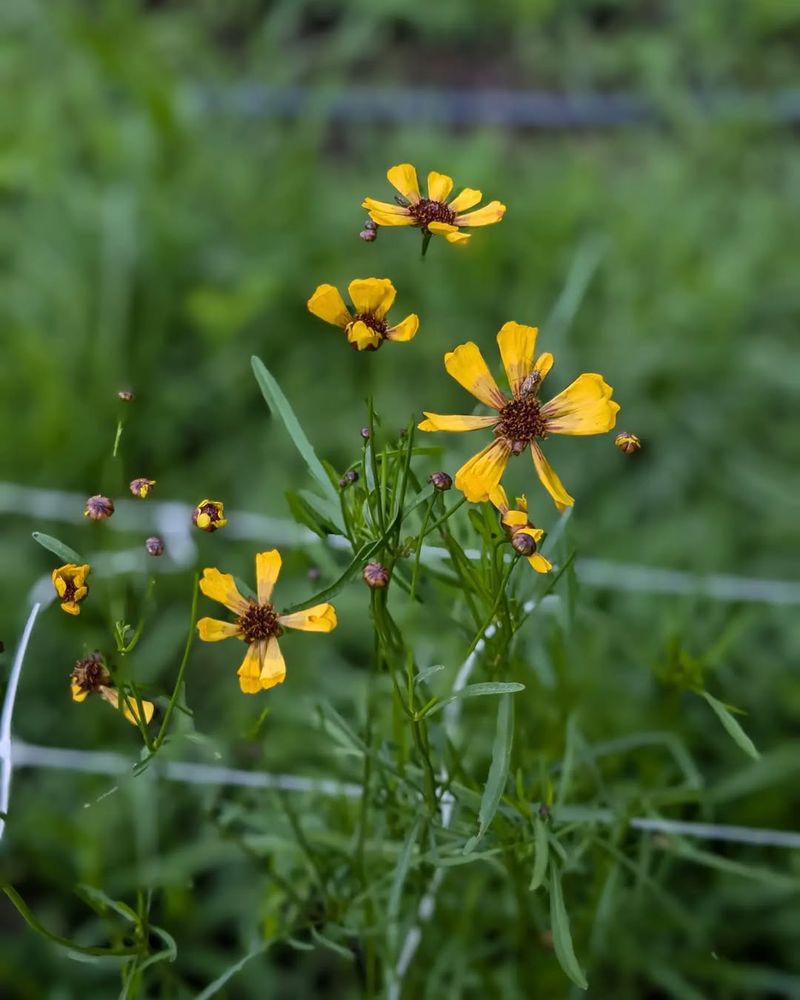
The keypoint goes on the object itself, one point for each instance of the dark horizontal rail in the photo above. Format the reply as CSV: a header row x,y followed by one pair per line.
x,y
498,108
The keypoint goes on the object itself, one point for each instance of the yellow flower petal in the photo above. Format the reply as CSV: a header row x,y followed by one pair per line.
x,y
392,219
458,238
442,228
372,295
250,670
515,519
537,534
213,630
273,666
77,692
59,583
584,407
499,499
493,212
478,477
385,207
442,422
129,706
220,587
539,563
517,345
405,330
549,479
404,177
543,364
362,336
466,365
71,607
320,618
328,304
439,186
467,198
522,503
268,567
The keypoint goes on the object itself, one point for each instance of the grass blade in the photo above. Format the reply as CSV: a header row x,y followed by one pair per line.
x,y
732,727
541,845
64,552
477,691
562,938
498,771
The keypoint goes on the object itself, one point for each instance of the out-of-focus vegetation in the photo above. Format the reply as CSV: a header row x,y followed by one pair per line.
x,y
154,238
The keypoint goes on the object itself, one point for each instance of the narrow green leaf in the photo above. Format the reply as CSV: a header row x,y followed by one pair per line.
x,y
64,552
213,988
477,691
562,938
541,844
328,509
331,945
425,675
352,569
280,405
498,770
732,727
398,881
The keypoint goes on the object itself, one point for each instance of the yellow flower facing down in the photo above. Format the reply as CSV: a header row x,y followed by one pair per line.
x,y
584,407
366,327
91,677
258,623
69,581
524,537
209,515
434,214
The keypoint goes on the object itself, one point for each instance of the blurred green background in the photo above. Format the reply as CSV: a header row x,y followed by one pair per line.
x,y
155,232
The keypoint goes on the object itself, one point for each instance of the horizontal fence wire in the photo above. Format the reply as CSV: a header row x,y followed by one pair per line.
x,y
172,521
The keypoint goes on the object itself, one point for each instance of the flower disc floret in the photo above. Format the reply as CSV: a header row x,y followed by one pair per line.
x,y
259,621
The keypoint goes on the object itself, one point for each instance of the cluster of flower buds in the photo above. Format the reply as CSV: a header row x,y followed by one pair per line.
x,y
350,477
370,231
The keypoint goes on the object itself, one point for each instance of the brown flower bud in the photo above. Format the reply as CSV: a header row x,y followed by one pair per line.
x,y
376,575
98,508
155,546
209,515
365,433
523,544
440,481
627,443
141,487
350,477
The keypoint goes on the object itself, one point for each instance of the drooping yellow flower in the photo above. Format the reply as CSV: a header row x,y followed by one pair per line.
x,y
69,581
209,515
434,214
258,623
524,537
366,327
584,407
91,677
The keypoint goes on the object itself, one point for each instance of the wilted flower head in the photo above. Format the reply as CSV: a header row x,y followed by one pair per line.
x,y
434,214
98,508
628,443
376,575
209,515
155,546
70,584
366,327
90,676
141,487
584,407
258,623
522,535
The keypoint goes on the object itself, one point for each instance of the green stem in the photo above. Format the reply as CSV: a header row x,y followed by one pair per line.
x,y
495,606
182,668
418,555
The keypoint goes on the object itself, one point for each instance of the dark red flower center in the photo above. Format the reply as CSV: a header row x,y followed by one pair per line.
x,y
520,422
90,673
426,211
259,621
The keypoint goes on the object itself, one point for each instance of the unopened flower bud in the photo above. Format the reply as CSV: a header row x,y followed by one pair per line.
x,y
440,481
368,235
209,515
98,508
126,395
523,544
154,546
629,443
376,575
351,476
141,487
365,433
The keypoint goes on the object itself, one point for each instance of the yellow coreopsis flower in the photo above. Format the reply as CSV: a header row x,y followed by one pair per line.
x,y
91,677
584,407
258,623
69,581
524,537
366,327
434,214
